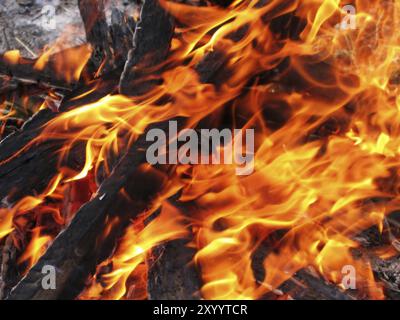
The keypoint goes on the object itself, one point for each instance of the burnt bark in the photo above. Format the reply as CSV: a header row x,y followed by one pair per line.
x,y
13,75
306,285
151,44
27,168
9,274
122,30
97,31
173,276
303,285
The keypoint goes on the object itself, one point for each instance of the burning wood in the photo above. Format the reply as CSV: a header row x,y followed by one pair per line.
x,y
85,214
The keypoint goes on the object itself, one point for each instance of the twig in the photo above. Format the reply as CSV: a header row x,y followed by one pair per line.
x,y
26,47
6,38
25,81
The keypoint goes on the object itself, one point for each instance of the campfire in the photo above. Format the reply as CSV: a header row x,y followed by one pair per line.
x,y
294,196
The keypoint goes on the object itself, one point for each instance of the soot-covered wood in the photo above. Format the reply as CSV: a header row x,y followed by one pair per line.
x,y
151,44
77,250
74,253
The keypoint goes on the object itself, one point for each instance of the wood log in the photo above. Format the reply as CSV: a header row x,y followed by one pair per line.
x,y
97,32
81,231
73,252
17,173
25,74
173,275
307,285
304,284
30,170
8,270
151,44
12,83
122,32
388,272
23,172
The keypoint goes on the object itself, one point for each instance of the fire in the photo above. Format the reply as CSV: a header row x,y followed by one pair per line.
x,y
35,248
7,215
67,63
327,143
47,212
131,254
12,56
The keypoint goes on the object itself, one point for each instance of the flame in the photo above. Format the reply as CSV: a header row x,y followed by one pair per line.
x,y
67,63
35,248
132,251
327,145
12,56
7,215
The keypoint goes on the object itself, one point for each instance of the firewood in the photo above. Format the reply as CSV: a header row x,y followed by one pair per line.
x,y
15,171
8,271
72,252
388,272
303,285
32,170
97,31
173,276
78,249
172,271
151,45
25,74
306,285
122,31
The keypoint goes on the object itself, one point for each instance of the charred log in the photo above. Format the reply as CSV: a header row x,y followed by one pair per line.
x,y
8,272
122,31
173,276
22,166
97,31
72,252
172,272
14,75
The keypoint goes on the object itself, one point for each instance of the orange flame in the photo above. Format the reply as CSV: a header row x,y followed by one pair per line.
x,y
327,144
68,63
132,252
12,57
